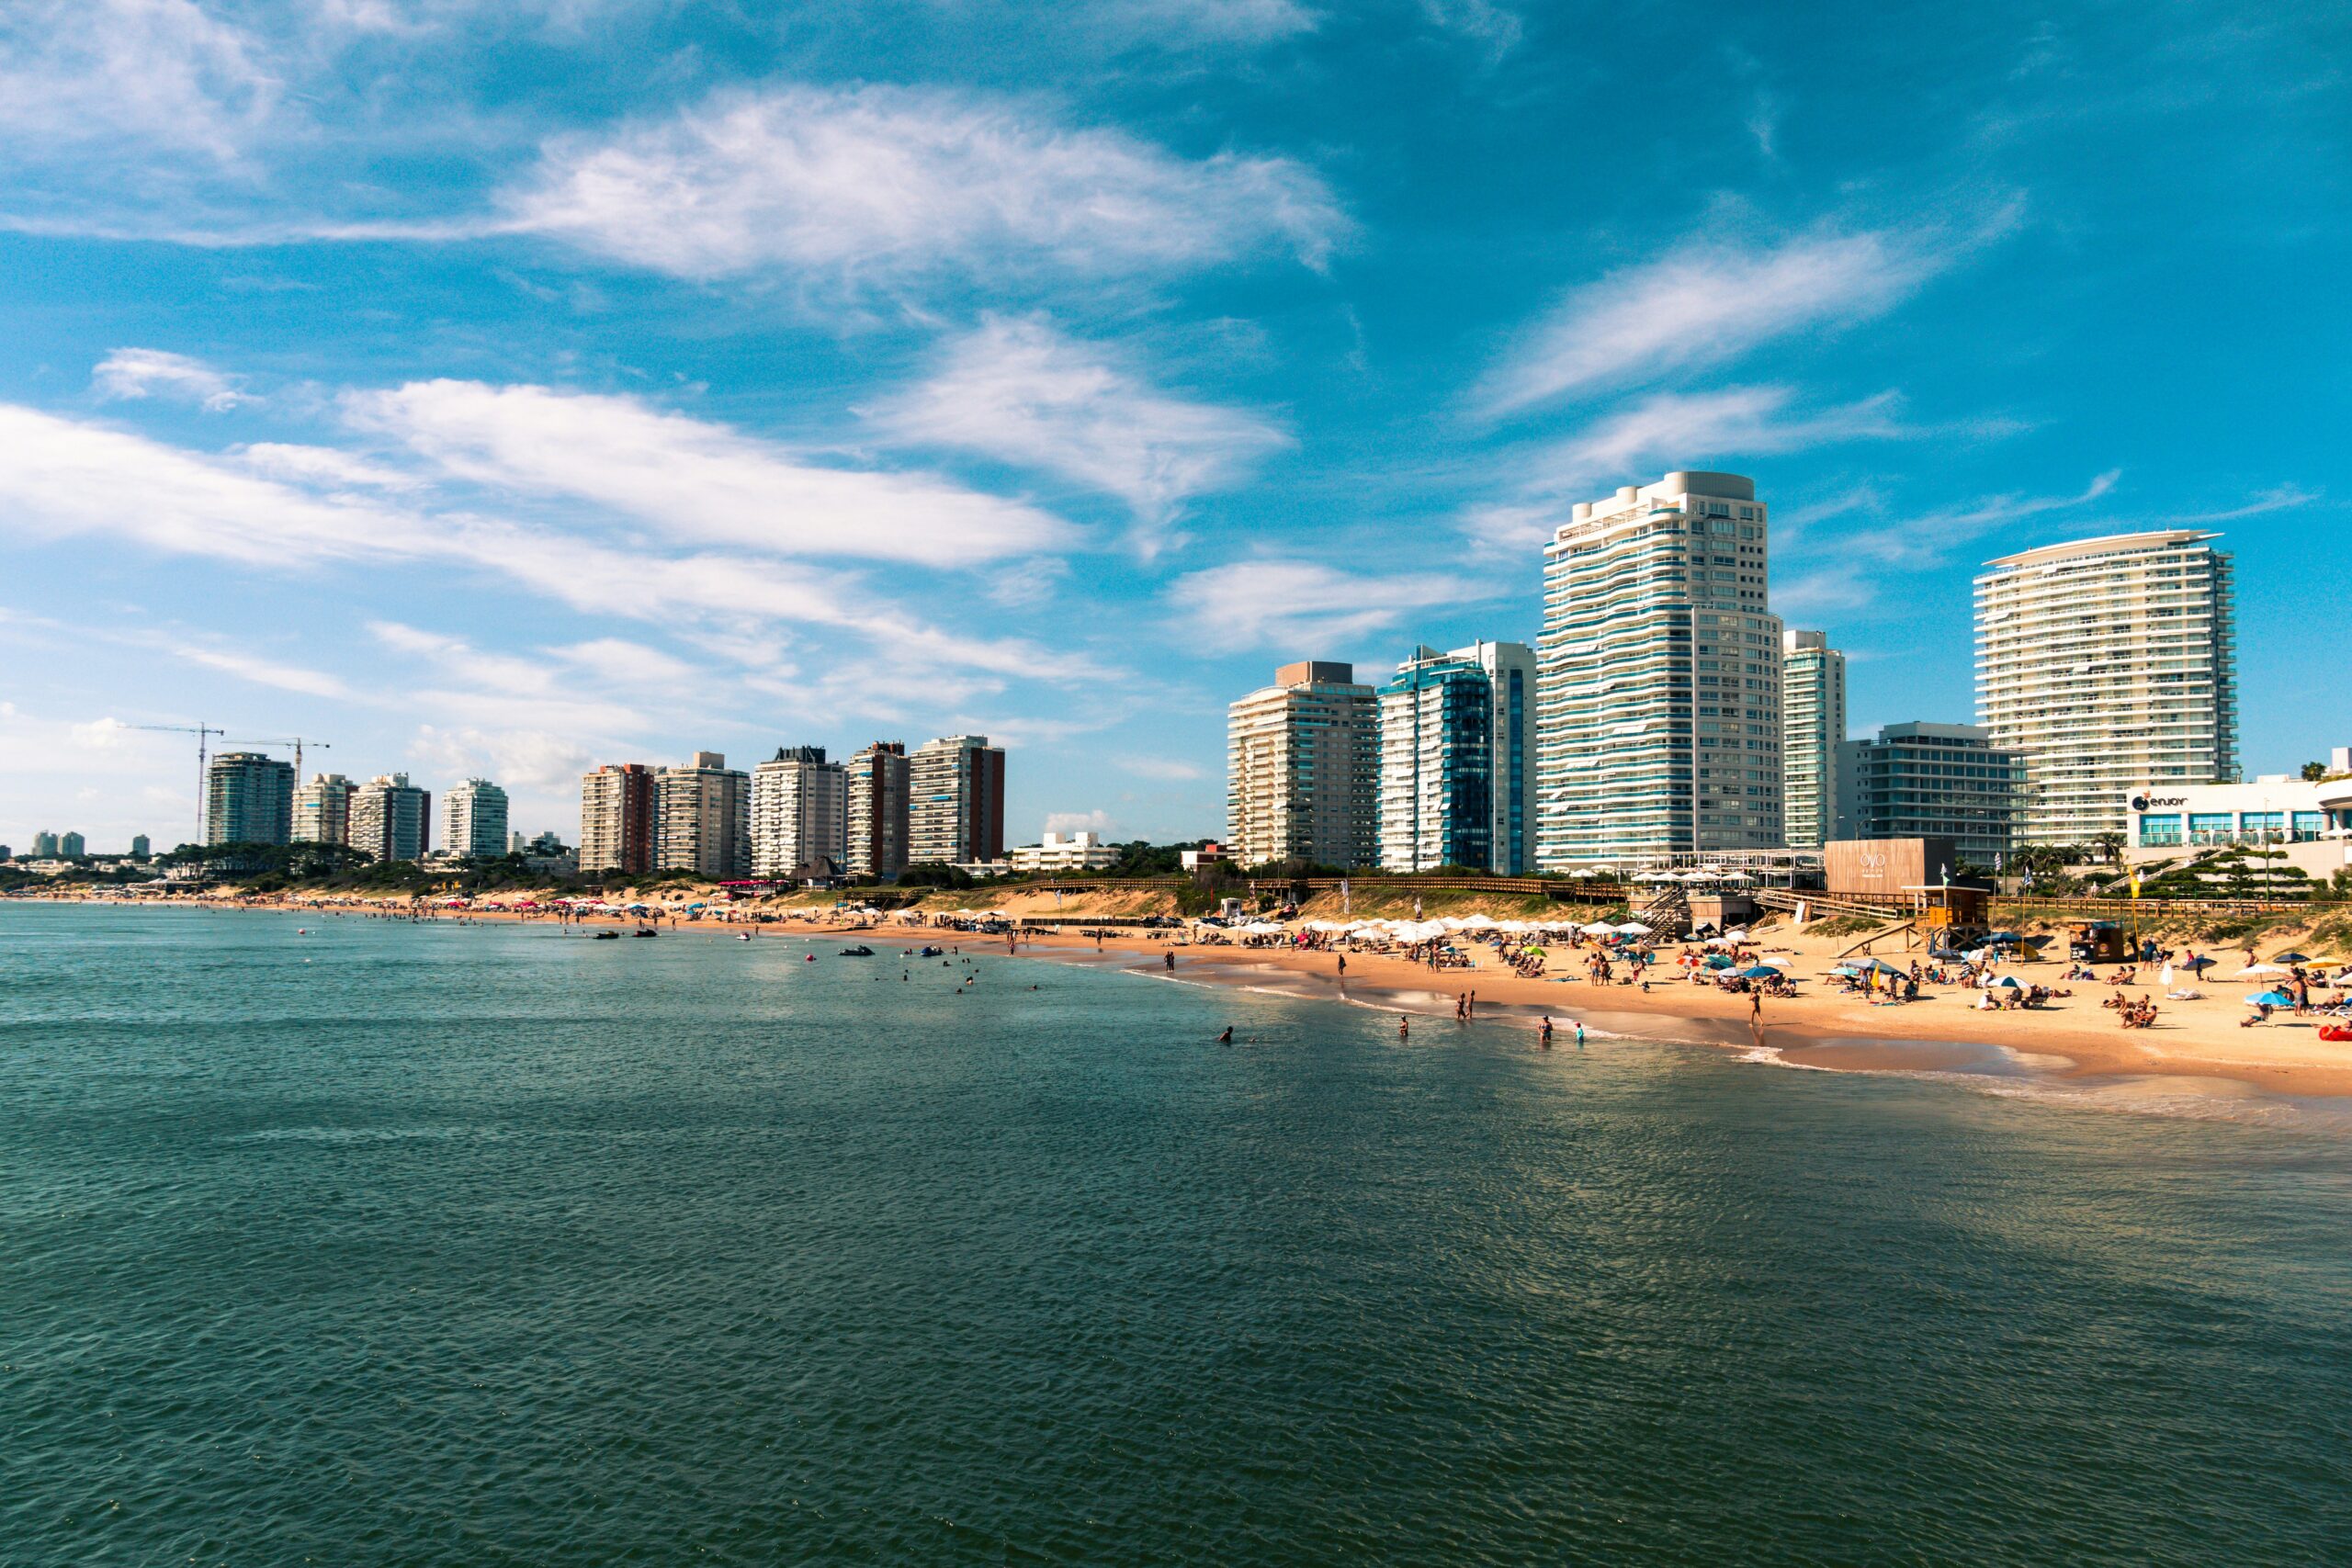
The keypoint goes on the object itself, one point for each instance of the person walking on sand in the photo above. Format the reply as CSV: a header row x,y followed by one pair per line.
x,y
1343,965
1755,1006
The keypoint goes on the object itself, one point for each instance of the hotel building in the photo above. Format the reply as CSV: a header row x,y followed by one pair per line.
x,y
323,811
2108,664
616,819
248,799
1457,760
877,810
1303,769
703,818
955,802
1931,781
476,820
799,815
1065,851
391,819
2309,820
1813,726
1658,721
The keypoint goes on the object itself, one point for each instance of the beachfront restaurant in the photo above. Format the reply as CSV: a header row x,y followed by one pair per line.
x,y
2312,821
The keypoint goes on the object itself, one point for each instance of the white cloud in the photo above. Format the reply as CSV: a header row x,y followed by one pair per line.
x,y
1173,769
1668,431
694,479
1189,21
164,77
1493,28
1020,392
1306,607
1702,304
521,759
2277,498
262,671
864,185
323,465
1095,821
62,478
129,373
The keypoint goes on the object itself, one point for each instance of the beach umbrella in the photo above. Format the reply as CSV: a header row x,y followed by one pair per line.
x,y
1634,928
2290,957
2271,1000
1737,933
1599,928
2260,969
1883,967
1718,960
2009,983
1760,971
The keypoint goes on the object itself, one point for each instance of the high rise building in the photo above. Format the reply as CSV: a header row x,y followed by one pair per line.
x,y
323,811
1457,760
616,819
1303,769
1813,726
45,845
1931,781
877,810
2108,664
248,799
1658,701
799,813
391,819
477,820
72,846
955,802
139,849
514,841
704,811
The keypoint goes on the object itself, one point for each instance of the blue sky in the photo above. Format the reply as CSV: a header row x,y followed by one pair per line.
x,y
506,387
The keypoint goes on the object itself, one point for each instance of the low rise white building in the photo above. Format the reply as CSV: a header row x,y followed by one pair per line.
x,y
1065,851
2311,820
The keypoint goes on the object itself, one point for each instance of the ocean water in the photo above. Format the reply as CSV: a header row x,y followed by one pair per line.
x,y
421,1245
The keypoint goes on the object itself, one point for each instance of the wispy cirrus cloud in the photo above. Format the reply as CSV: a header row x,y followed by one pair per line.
x,y
696,479
1306,606
1702,304
133,373
1020,392
1677,430
1884,541
63,478
165,78
875,185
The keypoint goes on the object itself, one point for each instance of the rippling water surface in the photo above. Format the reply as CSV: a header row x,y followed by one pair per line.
x,y
416,1245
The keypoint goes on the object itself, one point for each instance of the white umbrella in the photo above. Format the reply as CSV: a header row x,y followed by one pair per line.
x,y
1599,928
2258,969
1634,928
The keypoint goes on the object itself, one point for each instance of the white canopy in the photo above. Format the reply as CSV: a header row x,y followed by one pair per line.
x,y
1599,928
1633,928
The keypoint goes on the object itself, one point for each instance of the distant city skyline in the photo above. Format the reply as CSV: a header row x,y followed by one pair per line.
x,y
493,390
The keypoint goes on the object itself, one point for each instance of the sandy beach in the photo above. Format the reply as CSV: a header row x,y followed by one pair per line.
x,y
2073,1036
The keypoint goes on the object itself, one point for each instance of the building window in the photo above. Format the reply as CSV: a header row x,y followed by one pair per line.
x,y
2159,832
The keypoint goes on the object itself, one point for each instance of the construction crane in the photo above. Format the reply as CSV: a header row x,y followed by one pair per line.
x,y
202,732
295,742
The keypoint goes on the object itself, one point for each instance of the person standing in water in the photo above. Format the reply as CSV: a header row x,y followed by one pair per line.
x,y
1404,1026
1544,1036
1579,1034
1226,1038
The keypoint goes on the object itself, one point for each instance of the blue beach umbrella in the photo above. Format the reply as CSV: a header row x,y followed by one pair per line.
x,y
1760,972
1718,960
2271,1000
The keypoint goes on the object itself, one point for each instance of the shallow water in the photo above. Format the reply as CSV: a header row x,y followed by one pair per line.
x,y
428,1244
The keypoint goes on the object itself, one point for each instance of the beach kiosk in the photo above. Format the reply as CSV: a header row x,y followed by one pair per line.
x,y
2096,942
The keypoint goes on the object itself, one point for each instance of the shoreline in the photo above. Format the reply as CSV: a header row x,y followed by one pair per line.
x,y
2072,1040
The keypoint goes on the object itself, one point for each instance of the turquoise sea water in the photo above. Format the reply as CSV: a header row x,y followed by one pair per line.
x,y
425,1245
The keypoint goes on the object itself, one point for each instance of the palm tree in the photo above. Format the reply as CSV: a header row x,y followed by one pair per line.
x,y
2110,846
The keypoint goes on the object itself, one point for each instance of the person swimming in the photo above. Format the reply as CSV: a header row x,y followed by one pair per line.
x,y
1226,1038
